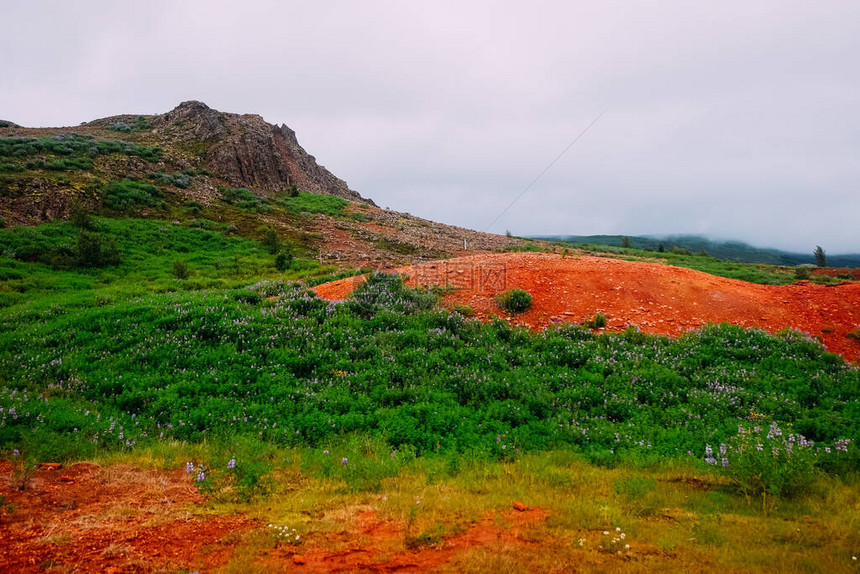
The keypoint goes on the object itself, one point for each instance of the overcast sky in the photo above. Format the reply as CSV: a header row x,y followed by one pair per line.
x,y
738,120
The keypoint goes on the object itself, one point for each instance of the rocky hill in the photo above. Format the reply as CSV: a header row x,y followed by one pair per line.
x,y
194,162
231,149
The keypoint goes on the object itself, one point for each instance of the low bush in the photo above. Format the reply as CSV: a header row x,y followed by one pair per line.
x,y
243,199
95,251
180,269
596,322
180,179
767,461
283,260
126,195
271,241
514,301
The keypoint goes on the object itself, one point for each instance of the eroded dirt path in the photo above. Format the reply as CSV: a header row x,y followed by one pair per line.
x,y
658,298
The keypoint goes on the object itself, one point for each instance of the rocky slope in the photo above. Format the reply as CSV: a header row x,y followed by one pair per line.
x,y
243,150
197,157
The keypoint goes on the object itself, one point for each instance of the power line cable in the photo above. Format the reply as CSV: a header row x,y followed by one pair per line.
x,y
534,181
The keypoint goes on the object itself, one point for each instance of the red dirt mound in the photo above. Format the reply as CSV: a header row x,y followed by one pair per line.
x,y
657,298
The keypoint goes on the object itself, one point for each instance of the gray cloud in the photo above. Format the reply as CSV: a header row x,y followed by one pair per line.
x,y
739,120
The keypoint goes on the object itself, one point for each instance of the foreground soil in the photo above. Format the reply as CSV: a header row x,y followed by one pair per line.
x,y
88,518
657,298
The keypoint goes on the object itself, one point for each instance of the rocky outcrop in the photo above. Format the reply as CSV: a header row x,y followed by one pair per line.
x,y
246,151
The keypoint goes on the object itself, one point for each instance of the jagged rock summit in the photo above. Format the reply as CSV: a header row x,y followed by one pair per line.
x,y
246,151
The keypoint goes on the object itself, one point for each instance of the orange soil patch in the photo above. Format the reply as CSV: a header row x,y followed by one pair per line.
x,y
370,544
85,518
658,298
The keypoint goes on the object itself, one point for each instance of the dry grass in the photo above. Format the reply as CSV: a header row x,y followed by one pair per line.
x,y
675,519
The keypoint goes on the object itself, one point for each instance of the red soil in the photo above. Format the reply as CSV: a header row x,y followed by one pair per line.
x,y
86,518
370,544
657,298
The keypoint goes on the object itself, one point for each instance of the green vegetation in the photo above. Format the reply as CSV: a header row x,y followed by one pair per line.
x,y
39,265
680,257
181,179
315,203
820,256
736,251
244,199
193,349
299,371
126,195
141,123
596,322
514,301
77,151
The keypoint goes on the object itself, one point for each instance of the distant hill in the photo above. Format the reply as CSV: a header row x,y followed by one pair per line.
x,y
729,250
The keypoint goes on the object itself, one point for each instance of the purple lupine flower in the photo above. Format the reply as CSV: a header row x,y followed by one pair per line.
x,y
723,449
16,452
189,467
201,476
231,464
759,447
725,462
344,461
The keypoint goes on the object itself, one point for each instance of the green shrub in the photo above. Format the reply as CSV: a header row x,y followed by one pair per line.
x,y
194,206
387,292
234,480
514,300
92,251
181,179
596,322
242,198
126,194
283,261
465,310
764,461
270,241
180,269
